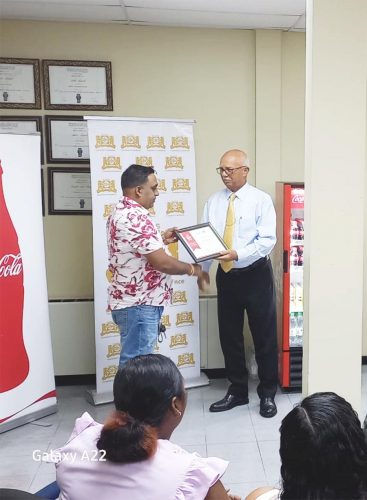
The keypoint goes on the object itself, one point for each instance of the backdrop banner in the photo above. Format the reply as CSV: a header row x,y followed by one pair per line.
x,y
27,384
168,146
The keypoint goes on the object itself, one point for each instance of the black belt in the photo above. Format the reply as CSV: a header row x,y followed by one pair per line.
x,y
256,264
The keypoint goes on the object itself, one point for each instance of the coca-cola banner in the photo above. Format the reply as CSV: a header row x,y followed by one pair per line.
x,y
114,144
27,386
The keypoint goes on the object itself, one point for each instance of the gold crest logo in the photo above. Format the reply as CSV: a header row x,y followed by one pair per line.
x,y
180,142
173,249
152,212
146,161
113,350
175,207
109,372
179,297
130,141
178,340
181,185
186,359
111,163
106,186
174,163
156,348
109,328
108,209
162,185
105,142
184,318
155,142
165,320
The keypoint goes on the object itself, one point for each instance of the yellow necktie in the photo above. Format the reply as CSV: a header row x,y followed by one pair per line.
x,y
229,232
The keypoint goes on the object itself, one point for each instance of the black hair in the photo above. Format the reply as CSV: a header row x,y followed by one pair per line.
x,y
323,451
135,175
143,390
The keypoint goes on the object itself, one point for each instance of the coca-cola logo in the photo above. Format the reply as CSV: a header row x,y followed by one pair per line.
x,y
10,265
298,198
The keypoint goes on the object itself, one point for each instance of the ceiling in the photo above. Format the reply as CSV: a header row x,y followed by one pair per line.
x,y
287,15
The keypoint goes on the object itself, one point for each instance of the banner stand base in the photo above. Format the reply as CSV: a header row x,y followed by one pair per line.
x,y
199,381
29,418
99,398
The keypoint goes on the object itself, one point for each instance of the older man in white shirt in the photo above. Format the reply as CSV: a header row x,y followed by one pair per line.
x,y
245,216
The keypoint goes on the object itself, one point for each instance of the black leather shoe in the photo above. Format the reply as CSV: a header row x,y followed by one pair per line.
x,y
268,407
228,402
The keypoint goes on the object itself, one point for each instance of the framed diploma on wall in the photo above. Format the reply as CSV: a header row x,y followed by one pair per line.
x,y
69,191
67,139
20,83
85,85
13,124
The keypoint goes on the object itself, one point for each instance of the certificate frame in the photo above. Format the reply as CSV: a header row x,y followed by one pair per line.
x,y
52,139
188,233
36,119
61,200
33,82
62,90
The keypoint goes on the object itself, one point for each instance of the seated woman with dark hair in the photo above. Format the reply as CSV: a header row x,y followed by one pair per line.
x,y
131,456
323,452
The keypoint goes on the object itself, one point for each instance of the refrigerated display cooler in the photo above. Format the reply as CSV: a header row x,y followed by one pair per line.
x,y
288,265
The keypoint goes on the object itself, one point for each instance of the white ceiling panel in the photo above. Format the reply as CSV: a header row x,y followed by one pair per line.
x,y
292,7
64,2
53,11
208,19
301,23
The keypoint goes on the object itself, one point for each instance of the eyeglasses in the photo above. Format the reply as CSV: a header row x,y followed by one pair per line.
x,y
228,171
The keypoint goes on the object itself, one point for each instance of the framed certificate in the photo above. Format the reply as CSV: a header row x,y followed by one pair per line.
x,y
69,191
20,83
83,85
22,125
67,139
201,241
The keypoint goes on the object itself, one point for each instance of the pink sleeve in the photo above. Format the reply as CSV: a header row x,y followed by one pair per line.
x,y
200,476
82,423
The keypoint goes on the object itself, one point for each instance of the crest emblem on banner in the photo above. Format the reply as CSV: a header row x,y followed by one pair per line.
x,y
162,185
113,350
109,372
181,185
108,209
179,297
155,142
130,141
175,207
111,162
186,359
146,161
105,142
165,320
184,318
106,186
173,249
178,340
180,142
174,163
109,328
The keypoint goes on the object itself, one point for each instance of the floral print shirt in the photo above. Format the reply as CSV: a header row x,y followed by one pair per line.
x,y
131,234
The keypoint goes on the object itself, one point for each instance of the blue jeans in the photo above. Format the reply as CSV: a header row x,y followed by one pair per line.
x,y
138,329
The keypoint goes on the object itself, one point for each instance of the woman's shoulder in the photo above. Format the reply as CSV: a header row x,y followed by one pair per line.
x,y
264,493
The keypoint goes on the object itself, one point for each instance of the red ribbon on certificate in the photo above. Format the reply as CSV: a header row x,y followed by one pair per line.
x,y
193,244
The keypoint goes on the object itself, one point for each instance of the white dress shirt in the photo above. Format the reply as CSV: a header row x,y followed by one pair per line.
x,y
255,223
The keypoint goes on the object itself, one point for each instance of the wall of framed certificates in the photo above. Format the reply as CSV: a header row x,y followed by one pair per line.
x,y
66,85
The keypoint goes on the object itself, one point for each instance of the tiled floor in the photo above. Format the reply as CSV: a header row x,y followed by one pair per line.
x,y
241,436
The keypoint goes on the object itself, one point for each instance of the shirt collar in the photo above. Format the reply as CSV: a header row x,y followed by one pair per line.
x,y
134,204
240,193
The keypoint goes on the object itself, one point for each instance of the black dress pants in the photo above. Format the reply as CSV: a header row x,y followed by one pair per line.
x,y
252,290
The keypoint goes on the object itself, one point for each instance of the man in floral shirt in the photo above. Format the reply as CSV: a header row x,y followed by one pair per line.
x,y
139,267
